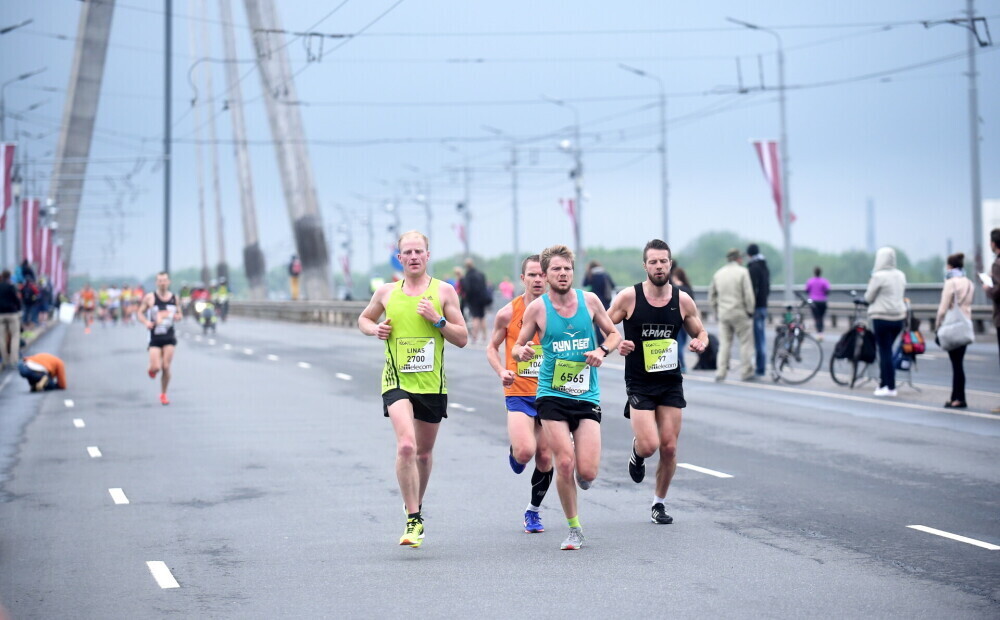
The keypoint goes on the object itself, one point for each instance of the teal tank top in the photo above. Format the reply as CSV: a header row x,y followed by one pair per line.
x,y
564,372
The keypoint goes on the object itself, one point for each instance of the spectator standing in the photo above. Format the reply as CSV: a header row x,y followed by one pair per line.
x,y
600,283
732,300
679,279
993,289
294,271
887,310
477,299
506,288
958,291
27,273
818,290
760,278
10,322
31,297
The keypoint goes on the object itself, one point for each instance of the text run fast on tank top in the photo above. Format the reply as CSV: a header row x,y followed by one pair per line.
x,y
162,313
564,372
654,332
525,373
414,352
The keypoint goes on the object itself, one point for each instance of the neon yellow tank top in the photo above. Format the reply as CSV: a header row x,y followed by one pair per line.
x,y
414,352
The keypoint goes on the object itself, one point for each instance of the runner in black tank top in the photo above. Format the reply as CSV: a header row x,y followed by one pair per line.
x,y
159,311
654,313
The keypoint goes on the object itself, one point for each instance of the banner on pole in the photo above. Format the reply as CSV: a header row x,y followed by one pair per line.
x,y
7,171
767,153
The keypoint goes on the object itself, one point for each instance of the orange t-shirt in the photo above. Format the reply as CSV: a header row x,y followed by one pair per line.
x,y
52,364
525,373
88,299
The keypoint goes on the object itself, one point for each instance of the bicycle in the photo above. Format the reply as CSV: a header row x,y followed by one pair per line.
x,y
847,369
796,356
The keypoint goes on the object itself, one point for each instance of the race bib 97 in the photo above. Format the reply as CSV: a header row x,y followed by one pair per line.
x,y
659,355
415,354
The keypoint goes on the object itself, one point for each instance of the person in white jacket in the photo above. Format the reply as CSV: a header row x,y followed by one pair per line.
x,y
887,310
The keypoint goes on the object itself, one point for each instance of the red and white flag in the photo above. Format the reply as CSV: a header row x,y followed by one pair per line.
x,y
460,231
29,229
45,252
6,170
770,163
57,269
569,205
345,264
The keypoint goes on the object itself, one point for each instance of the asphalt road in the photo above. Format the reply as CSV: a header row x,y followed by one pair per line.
x,y
267,489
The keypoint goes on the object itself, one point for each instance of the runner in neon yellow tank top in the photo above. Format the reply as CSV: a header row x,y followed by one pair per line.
x,y
421,313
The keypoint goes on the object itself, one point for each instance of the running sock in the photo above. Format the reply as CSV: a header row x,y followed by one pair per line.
x,y
532,508
659,500
574,522
415,515
540,481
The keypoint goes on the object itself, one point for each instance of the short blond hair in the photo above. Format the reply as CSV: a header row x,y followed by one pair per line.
x,y
414,233
556,250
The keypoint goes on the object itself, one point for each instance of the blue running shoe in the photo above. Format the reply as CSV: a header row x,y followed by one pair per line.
x,y
517,467
532,522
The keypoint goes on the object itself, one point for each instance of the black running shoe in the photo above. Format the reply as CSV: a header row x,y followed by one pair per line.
x,y
660,516
636,466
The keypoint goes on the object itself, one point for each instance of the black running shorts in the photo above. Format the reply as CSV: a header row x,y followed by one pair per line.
x,y
649,398
568,410
162,341
431,408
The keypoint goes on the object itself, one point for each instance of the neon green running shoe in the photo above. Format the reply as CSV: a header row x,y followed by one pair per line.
x,y
414,534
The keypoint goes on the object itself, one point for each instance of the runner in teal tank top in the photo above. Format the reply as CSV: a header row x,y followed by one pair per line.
x,y
421,313
568,398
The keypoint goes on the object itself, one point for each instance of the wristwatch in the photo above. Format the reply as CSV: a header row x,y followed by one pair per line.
x,y
440,323
605,349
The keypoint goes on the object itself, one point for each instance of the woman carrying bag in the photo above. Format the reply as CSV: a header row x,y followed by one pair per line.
x,y
954,325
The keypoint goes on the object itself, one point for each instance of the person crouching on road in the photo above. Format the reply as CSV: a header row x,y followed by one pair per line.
x,y
43,372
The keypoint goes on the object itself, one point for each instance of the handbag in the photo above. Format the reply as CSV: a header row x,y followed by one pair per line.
x,y
913,343
956,329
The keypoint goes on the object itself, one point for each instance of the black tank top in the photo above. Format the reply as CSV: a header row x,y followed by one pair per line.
x,y
654,332
165,310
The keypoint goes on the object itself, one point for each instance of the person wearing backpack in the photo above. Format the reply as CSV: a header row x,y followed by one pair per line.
x,y
887,310
30,296
957,292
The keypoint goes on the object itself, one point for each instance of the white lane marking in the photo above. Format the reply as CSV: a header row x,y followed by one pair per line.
x,y
197,338
5,382
118,495
211,341
859,399
343,376
248,351
94,452
164,578
304,365
704,470
971,541
227,346
461,407
78,422
273,358
68,402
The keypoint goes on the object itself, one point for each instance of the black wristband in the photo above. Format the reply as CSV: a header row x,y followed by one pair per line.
x,y
605,349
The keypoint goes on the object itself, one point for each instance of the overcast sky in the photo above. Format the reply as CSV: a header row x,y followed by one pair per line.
x,y
877,108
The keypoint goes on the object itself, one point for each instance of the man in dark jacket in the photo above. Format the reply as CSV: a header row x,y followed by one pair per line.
x,y
10,322
477,299
760,278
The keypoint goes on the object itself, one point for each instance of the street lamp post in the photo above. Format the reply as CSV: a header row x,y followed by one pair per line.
x,y
514,210
786,206
3,105
577,175
664,184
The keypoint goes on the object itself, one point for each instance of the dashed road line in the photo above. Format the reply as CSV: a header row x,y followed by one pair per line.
x,y
227,346
343,376
68,402
461,407
248,351
5,382
164,578
964,539
704,470
94,452
273,358
118,496
211,341
304,365
79,423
